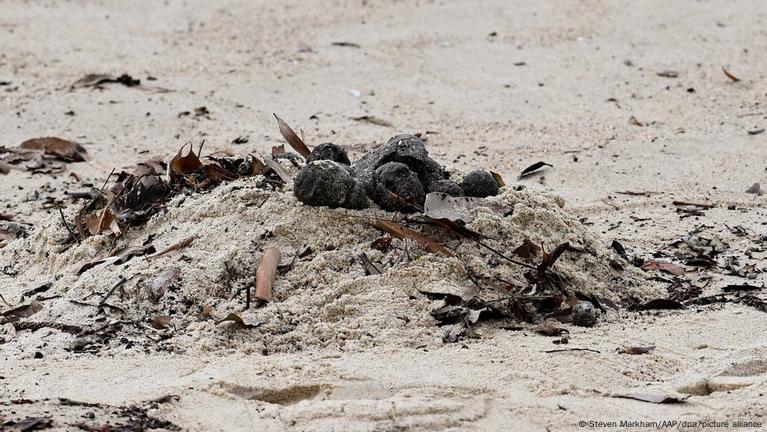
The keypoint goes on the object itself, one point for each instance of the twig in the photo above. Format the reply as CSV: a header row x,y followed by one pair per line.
x,y
176,246
66,225
693,204
111,291
572,349
107,180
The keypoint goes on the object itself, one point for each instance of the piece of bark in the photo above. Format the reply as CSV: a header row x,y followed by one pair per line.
x,y
267,268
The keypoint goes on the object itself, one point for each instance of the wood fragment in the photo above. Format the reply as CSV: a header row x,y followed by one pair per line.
x,y
369,266
402,232
572,349
174,247
265,273
730,75
693,204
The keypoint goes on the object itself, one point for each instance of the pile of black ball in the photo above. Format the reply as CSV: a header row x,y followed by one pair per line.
x,y
393,175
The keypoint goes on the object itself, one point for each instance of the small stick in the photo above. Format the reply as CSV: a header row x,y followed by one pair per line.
x,y
572,349
694,204
265,273
66,225
107,180
176,246
111,291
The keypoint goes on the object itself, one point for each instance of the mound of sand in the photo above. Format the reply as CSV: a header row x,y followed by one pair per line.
x,y
322,295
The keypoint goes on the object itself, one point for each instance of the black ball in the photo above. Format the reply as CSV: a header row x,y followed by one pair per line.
x,y
479,184
329,151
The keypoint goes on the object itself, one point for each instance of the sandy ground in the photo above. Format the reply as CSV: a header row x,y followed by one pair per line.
x,y
497,84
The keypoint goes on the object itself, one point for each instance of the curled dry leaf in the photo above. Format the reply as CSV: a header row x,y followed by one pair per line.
x,y
183,165
233,317
160,322
498,179
662,304
402,232
373,120
101,221
21,312
635,350
265,273
668,74
294,140
633,121
527,250
532,169
551,330
755,189
663,266
62,149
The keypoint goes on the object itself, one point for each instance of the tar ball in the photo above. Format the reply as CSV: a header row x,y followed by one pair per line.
x,y
329,151
331,184
585,314
479,184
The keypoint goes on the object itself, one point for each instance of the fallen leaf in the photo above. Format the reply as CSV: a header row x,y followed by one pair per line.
x,y
532,169
668,74
756,131
279,170
550,258
662,304
741,287
101,221
373,120
527,250
369,266
663,266
551,330
346,44
498,179
292,139
133,252
233,317
633,120
67,151
635,350
403,232
21,312
95,80
183,165
160,322
652,398
730,75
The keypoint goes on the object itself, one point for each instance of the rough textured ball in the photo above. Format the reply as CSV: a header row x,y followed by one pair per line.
x,y
399,179
331,184
479,184
585,314
406,149
447,187
329,151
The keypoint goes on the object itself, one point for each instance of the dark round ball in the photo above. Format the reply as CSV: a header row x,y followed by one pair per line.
x,y
329,151
447,187
397,178
479,184
331,184
585,314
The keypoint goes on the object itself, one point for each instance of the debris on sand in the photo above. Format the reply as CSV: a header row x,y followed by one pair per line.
x,y
431,266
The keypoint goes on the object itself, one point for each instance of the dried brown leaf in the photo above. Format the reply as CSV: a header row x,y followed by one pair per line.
x,y
373,120
403,232
23,311
294,140
233,317
663,266
67,151
635,350
527,249
160,322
